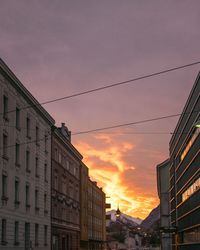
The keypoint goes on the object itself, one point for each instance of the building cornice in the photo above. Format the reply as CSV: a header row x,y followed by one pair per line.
x,y
67,143
25,93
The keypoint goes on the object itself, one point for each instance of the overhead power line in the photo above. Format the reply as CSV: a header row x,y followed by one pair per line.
x,y
26,142
113,127
121,125
132,123
110,85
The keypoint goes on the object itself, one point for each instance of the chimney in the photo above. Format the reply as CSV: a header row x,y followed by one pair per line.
x,y
65,132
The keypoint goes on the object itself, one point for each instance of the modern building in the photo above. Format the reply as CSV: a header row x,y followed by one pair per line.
x,y
96,216
66,167
185,175
25,160
163,193
84,207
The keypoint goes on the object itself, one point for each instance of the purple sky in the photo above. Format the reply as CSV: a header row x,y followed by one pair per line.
x,y
57,48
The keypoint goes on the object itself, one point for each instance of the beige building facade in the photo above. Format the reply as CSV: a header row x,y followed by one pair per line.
x,y
25,161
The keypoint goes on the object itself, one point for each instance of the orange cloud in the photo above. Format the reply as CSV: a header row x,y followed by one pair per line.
x,y
106,158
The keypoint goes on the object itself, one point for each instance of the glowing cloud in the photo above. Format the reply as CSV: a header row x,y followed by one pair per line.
x,y
106,159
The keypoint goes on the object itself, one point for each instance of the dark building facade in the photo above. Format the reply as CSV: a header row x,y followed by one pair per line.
x,y
185,175
84,207
96,217
163,193
66,165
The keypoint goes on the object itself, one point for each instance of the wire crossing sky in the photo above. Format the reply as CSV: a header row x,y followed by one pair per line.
x,y
65,49
110,85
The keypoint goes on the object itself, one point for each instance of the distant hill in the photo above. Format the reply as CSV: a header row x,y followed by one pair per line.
x,y
152,218
124,218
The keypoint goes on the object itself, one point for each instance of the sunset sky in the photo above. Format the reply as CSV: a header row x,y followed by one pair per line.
x,y
58,48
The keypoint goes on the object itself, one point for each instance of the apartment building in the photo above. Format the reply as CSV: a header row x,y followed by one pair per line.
x,y
66,165
84,207
163,193
25,160
185,175
96,216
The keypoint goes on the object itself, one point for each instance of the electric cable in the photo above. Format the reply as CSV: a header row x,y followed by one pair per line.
x,y
108,86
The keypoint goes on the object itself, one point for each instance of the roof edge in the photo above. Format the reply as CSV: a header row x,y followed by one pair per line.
x,y
25,92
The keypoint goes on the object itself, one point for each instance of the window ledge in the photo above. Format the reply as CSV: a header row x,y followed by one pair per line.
x,y
28,170
5,117
17,202
4,198
3,242
17,164
5,157
37,209
28,207
18,128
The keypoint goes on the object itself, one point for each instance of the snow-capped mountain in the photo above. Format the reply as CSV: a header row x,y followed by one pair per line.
x,y
124,218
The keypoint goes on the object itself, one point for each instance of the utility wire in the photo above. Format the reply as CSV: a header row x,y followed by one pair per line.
x,y
26,142
132,123
110,86
124,124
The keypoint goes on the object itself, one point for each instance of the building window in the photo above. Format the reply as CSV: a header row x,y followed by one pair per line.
x,y
17,122
28,161
5,146
3,232
67,164
16,233
4,187
64,185
37,135
59,157
191,236
56,154
45,172
36,234
36,167
190,143
45,142
27,196
17,153
28,127
16,192
45,204
45,234
36,199
55,181
192,189
55,211
5,107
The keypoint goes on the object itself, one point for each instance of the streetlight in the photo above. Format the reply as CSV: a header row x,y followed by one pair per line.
x,y
197,124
